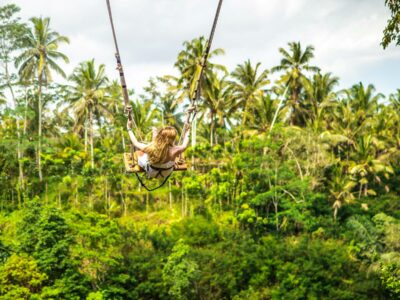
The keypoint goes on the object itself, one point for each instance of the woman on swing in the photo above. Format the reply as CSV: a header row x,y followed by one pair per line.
x,y
157,159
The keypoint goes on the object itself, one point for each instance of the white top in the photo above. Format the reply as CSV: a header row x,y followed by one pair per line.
x,y
144,163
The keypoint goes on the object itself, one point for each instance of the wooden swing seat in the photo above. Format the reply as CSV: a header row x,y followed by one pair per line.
x,y
131,165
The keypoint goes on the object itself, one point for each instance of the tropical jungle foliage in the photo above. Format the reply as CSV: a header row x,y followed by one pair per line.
x,y
292,193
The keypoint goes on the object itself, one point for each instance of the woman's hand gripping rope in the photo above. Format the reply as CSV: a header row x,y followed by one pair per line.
x,y
128,111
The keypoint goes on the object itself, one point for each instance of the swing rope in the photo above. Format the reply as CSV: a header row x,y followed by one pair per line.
x,y
191,112
155,188
127,106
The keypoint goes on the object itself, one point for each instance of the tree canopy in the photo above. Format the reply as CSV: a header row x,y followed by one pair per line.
x,y
391,32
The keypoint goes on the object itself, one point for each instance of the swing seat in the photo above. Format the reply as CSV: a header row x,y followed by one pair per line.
x,y
131,165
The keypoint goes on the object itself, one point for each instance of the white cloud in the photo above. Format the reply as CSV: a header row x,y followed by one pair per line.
x,y
293,8
346,34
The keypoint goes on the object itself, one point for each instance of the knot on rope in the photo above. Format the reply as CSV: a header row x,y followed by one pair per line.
x,y
186,127
128,111
118,58
203,63
192,108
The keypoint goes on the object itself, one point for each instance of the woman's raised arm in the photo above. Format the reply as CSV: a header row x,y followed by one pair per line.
x,y
185,143
133,138
135,142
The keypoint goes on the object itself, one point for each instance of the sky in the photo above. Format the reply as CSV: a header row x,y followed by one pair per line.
x,y
346,34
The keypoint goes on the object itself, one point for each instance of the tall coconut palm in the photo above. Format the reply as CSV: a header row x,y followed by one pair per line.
x,y
353,115
385,126
395,104
11,37
114,92
218,103
395,101
344,128
191,57
188,64
248,85
363,101
294,64
265,108
166,102
319,97
37,61
115,105
169,110
143,114
88,97
340,188
368,165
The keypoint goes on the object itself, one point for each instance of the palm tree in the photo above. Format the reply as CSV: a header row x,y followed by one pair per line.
x,y
143,114
36,63
265,108
114,103
189,63
11,37
190,59
294,64
219,103
340,188
169,111
363,101
367,164
248,86
385,127
319,97
166,102
395,128
353,115
343,129
88,99
395,101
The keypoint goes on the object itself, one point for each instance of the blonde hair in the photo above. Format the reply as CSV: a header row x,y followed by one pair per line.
x,y
159,148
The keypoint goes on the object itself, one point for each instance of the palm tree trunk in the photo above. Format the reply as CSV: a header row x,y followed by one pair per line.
x,y
76,196
212,126
245,113
123,139
39,149
107,198
19,154
86,136
46,194
186,203
194,137
123,201
295,97
26,112
91,137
